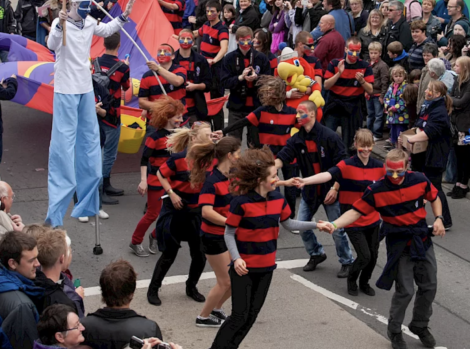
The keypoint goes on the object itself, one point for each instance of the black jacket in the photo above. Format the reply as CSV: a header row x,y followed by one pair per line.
x,y
399,31
53,293
461,103
249,18
113,328
7,94
315,13
368,38
233,65
434,121
200,14
331,150
9,21
27,17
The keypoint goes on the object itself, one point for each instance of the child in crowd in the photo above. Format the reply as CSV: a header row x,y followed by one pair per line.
x,y
415,76
398,55
397,113
410,96
375,101
229,15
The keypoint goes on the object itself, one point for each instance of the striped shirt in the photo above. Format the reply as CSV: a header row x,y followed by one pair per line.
x,y
274,126
354,177
155,152
175,16
215,192
400,206
211,38
347,85
256,220
415,55
150,88
315,63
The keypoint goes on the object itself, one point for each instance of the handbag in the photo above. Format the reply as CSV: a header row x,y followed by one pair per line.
x,y
277,39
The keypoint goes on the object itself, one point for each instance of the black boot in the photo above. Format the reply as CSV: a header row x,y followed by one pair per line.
x,y
192,292
109,189
152,297
106,200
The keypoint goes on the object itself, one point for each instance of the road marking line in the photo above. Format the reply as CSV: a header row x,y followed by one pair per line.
x,y
353,305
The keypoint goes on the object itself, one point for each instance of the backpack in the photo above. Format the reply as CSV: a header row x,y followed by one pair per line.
x,y
103,78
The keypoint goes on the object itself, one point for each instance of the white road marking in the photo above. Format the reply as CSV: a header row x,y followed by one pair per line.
x,y
290,264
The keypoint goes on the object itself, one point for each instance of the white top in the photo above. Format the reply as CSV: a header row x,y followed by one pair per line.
x,y
72,66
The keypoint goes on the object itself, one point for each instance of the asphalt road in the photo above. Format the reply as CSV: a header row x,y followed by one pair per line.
x,y
24,167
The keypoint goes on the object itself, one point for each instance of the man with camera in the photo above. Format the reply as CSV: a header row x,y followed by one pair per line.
x,y
240,70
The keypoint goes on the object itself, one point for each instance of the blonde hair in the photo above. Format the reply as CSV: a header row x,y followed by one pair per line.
x,y
180,139
51,245
375,46
398,69
364,137
36,229
464,64
368,26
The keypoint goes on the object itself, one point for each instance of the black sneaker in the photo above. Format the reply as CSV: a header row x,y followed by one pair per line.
x,y
211,321
314,261
460,193
219,314
344,271
153,245
397,340
424,336
193,293
152,297
352,288
450,193
367,290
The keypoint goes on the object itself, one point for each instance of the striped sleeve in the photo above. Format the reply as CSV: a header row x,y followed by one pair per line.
x,y
235,214
207,195
430,191
366,204
168,169
369,75
286,211
330,71
223,33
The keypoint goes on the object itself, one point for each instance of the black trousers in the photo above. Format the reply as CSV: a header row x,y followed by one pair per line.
x,y
366,244
462,152
179,231
217,91
248,295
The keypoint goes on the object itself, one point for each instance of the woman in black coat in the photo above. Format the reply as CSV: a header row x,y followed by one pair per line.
x,y
248,16
433,125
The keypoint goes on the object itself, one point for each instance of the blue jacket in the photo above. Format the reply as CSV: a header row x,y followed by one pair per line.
x,y
344,24
18,314
441,11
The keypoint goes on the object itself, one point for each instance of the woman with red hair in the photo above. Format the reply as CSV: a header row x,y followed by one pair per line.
x,y
166,115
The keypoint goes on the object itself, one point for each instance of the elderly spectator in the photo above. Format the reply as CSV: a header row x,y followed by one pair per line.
x,y
398,29
18,294
112,326
453,50
443,15
344,21
434,70
455,8
415,54
331,44
433,125
59,327
52,254
374,31
308,17
461,119
433,25
359,15
7,221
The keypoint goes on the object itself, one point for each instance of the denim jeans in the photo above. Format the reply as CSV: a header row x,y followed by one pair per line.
x,y
313,247
110,147
375,116
451,170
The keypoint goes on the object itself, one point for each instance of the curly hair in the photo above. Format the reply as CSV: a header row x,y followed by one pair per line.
x,y
272,90
180,139
456,44
252,167
163,109
201,156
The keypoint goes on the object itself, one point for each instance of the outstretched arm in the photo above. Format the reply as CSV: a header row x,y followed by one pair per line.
x,y
346,219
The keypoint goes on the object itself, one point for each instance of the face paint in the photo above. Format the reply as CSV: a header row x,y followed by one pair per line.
x,y
353,52
164,55
84,9
211,14
245,43
302,115
395,170
273,182
308,47
186,41
363,149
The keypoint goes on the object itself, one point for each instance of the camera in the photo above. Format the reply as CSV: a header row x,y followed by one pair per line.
x,y
137,343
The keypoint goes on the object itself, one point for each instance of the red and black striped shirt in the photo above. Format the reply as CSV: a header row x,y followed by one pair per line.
x,y
274,126
315,63
119,79
256,220
150,88
215,192
155,152
211,38
175,16
347,85
272,61
354,177
400,206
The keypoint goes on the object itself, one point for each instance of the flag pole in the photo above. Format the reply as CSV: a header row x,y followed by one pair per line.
x,y
132,40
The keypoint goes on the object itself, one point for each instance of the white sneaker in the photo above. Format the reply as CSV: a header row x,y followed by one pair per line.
x,y
83,219
295,231
103,215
